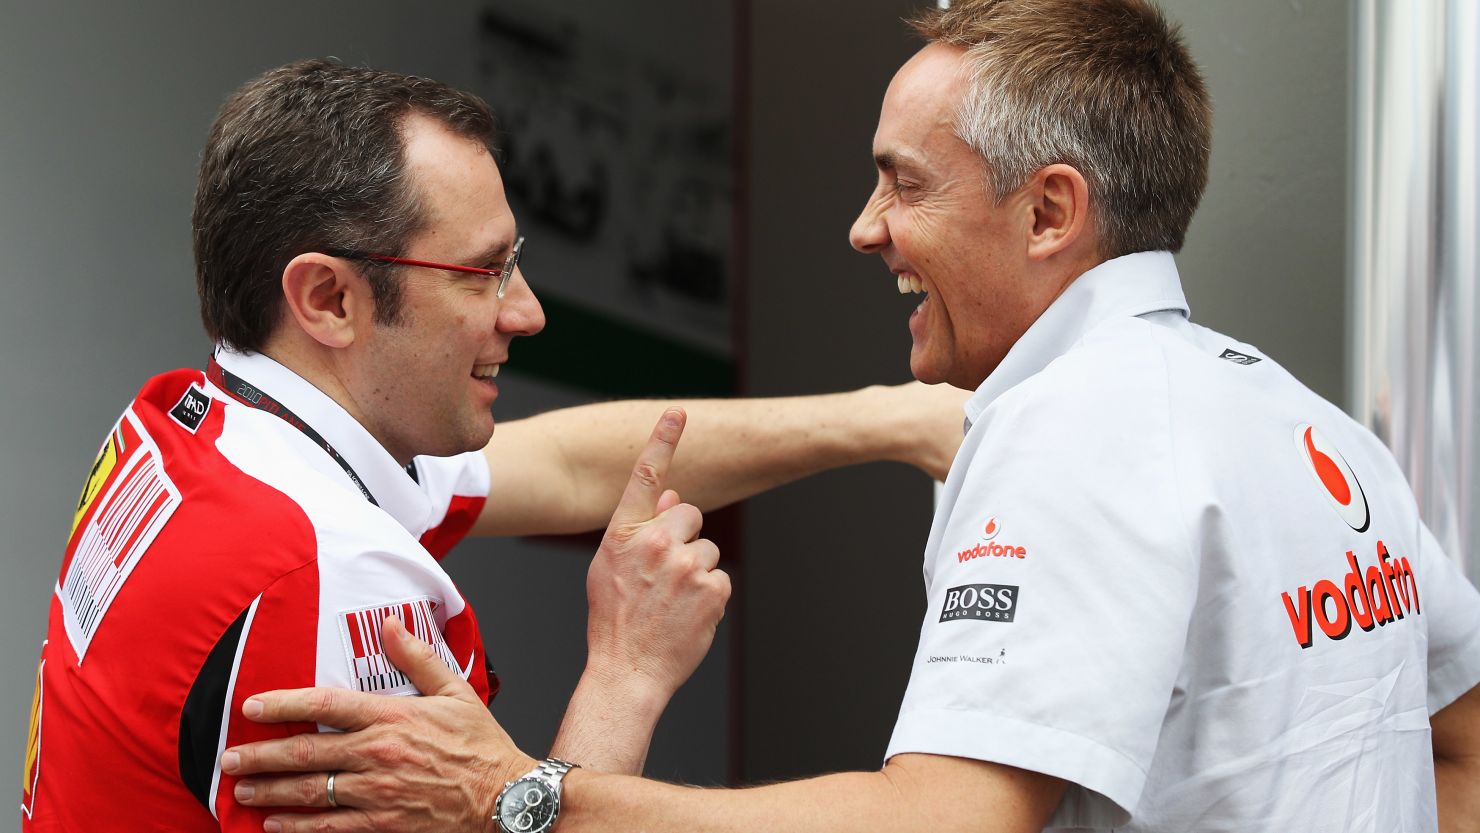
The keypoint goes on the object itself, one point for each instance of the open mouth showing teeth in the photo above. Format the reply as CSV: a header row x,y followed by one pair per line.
x,y
912,285
485,371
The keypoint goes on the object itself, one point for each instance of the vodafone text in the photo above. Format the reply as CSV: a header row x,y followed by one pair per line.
x,y
990,549
1371,598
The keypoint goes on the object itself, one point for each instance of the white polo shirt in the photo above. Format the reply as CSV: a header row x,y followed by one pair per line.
x,y
1167,572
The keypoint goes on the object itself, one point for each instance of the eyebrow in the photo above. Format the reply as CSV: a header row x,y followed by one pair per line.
x,y
488,256
888,160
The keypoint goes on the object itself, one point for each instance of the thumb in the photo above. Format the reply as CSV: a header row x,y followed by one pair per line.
x,y
666,502
420,663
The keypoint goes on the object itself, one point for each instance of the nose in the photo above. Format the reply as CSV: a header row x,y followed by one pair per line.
x,y
870,232
520,313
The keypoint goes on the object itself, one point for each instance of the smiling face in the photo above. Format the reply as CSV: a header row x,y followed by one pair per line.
x,y
934,222
424,384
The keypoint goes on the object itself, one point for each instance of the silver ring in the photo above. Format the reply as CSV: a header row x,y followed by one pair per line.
x,y
329,788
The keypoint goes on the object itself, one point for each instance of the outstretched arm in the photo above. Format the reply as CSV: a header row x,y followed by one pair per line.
x,y
562,471
911,794
437,763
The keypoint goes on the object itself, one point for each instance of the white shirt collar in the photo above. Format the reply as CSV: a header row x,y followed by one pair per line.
x,y
1128,286
387,480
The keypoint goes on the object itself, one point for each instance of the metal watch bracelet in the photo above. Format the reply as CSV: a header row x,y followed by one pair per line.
x,y
554,768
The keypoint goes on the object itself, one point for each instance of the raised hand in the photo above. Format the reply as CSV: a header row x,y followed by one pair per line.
x,y
655,595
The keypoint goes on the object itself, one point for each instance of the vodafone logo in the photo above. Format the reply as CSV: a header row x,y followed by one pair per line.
x,y
989,548
1333,476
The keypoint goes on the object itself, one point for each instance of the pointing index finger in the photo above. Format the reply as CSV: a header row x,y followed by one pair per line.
x,y
639,501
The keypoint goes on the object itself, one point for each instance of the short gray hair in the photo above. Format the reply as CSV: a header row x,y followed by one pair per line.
x,y
1106,86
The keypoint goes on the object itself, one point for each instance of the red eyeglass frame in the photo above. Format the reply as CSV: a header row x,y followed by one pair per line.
x,y
503,273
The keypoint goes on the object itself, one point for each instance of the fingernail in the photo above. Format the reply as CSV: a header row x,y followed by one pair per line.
x,y
272,826
244,791
230,761
252,708
670,419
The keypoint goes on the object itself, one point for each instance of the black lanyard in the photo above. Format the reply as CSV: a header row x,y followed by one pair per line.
x,y
252,396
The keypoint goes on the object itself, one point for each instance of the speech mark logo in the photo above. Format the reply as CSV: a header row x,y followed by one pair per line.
x,y
1333,476
991,529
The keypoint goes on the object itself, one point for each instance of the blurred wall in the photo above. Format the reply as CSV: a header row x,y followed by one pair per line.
x,y
1265,258
106,108
833,596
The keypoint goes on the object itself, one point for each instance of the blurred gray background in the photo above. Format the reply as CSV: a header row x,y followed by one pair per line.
x,y
105,107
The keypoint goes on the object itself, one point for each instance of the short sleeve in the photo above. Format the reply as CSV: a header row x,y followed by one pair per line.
x,y
1060,582
1451,605
271,645
458,488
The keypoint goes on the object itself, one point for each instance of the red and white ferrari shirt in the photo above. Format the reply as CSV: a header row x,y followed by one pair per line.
x,y
239,532
1165,571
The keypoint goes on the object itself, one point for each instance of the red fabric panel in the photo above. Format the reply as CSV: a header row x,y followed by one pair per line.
x,y
280,652
461,513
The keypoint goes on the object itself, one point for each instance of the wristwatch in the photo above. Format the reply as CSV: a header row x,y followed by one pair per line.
x,y
531,804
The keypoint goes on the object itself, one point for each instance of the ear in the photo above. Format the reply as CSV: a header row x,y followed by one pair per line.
x,y
327,297
1060,206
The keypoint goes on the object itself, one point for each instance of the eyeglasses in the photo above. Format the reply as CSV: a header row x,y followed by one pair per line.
x,y
503,273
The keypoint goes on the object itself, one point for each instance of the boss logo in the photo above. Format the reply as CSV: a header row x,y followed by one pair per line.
x,y
986,602
192,408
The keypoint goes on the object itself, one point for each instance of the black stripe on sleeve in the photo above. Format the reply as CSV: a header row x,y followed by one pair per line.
x,y
201,721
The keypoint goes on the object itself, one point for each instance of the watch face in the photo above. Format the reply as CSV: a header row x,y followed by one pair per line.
x,y
528,806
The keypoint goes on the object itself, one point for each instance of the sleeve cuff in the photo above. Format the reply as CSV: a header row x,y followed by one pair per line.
x,y
1457,676
1105,784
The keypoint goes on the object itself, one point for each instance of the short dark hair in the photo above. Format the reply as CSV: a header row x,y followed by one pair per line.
x,y
1106,86
311,157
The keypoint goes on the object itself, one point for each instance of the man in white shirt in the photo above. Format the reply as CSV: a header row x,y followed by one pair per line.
x,y
1169,587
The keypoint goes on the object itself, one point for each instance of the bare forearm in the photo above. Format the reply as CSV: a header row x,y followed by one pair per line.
x,y
1458,786
739,447
562,471
928,793
844,802
609,724
1455,733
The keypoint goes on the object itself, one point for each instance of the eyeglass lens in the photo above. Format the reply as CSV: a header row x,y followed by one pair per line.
x,y
509,265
